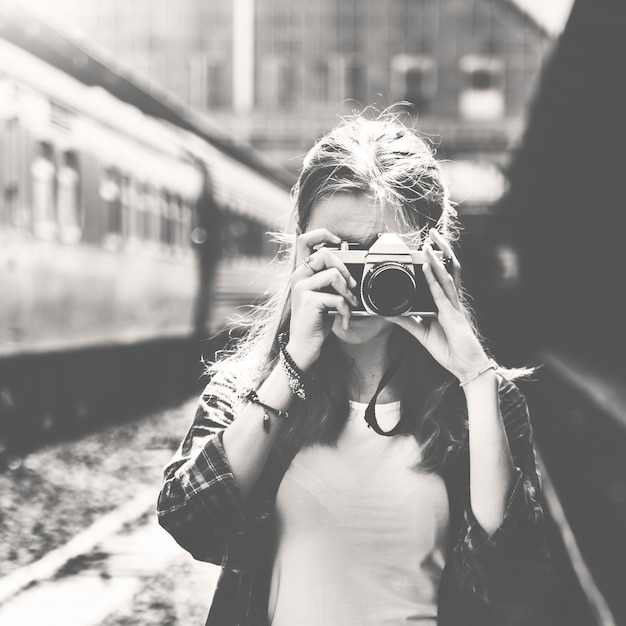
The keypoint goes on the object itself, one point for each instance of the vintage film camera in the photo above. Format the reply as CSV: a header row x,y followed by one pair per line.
x,y
389,277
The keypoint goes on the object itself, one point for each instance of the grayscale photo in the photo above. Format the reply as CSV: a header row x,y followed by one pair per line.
x,y
310,313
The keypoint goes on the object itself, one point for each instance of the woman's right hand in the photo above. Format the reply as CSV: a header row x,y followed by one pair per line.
x,y
317,270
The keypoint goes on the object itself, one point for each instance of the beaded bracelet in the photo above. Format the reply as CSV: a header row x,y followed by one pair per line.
x,y
253,396
295,375
491,365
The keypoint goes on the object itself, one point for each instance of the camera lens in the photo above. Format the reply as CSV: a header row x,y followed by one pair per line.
x,y
388,289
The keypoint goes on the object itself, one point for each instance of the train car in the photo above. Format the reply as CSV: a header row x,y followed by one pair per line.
x,y
97,212
124,240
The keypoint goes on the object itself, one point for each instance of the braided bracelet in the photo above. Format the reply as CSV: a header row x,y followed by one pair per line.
x,y
491,365
295,375
253,396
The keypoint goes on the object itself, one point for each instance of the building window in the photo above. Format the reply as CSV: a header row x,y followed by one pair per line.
x,y
68,199
217,87
279,83
356,81
197,82
322,87
43,173
482,95
414,80
342,78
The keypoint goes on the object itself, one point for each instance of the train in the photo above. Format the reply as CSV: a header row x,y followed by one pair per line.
x,y
126,241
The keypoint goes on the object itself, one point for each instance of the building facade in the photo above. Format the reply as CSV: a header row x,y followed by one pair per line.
x,y
278,73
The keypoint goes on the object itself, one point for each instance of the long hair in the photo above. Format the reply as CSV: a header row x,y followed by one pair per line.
x,y
389,163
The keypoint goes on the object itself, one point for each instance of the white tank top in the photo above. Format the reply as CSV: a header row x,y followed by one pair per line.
x,y
361,534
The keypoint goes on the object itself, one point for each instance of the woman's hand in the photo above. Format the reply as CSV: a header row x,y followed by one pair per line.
x,y
449,337
317,272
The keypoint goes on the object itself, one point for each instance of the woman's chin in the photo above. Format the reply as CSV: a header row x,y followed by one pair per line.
x,y
361,329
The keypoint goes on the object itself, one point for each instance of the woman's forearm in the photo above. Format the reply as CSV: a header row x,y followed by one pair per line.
x,y
246,444
492,471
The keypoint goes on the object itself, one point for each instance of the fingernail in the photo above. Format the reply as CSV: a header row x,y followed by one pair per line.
x,y
352,282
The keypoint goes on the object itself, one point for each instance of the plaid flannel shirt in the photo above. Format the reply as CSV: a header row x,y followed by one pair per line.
x,y
201,506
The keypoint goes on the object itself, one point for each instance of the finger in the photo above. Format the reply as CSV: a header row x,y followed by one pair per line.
x,y
330,277
344,312
331,302
442,301
412,324
318,262
448,253
306,242
443,278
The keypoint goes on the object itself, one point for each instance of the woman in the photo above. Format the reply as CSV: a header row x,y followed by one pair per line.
x,y
316,517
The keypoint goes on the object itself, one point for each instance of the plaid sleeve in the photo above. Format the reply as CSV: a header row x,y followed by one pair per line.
x,y
200,504
504,566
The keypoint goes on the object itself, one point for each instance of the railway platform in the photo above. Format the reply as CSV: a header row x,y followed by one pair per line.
x,y
95,576
123,569
92,587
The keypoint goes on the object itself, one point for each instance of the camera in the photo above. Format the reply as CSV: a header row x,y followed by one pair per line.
x,y
389,277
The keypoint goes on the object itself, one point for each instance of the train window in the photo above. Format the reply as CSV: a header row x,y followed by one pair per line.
x,y
166,220
8,177
141,212
9,201
12,152
43,174
414,80
126,198
175,220
110,195
68,199
482,96
242,237
185,225
135,213
152,215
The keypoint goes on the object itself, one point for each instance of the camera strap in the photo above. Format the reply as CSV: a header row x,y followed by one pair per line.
x,y
370,411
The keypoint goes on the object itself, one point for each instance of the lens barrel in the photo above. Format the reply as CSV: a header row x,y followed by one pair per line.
x,y
388,289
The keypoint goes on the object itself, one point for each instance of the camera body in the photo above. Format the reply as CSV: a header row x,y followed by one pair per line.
x,y
389,277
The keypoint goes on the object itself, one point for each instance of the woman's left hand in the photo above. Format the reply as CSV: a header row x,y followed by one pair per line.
x,y
450,337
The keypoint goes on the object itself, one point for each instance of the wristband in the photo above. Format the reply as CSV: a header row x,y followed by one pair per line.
x,y
253,397
295,375
491,365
